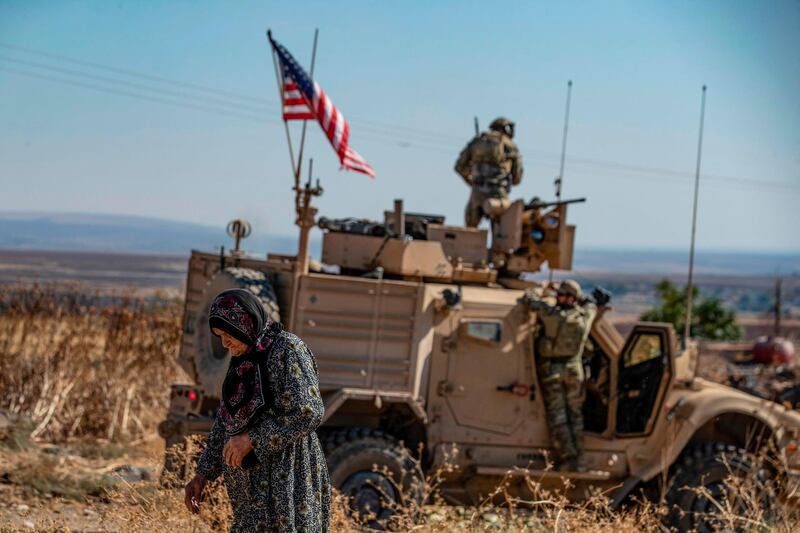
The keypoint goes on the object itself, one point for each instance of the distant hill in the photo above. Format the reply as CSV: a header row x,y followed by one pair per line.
x,y
132,234
121,234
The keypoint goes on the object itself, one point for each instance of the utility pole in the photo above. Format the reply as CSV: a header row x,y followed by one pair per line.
x,y
477,129
689,286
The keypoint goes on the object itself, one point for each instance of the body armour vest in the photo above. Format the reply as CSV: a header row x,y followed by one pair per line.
x,y
564,331
491,154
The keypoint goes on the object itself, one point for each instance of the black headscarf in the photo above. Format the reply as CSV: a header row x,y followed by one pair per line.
x,y
240,313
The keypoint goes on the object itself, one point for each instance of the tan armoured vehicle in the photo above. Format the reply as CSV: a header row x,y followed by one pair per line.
x,y
420,340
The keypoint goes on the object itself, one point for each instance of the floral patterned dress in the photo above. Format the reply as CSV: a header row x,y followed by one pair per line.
x,y
289,488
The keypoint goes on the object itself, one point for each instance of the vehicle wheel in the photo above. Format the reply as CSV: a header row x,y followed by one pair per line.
x,y
698,485
375,471
789,395
210,358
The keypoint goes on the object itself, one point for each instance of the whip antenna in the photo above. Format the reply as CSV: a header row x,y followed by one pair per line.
x,y
305,122
560,178
687,326
279,81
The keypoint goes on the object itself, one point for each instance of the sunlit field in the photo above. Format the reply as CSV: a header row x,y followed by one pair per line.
x,y
84,381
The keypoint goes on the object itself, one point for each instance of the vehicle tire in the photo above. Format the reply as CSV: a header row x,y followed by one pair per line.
x,y
210,358
375,471
706,466
790,395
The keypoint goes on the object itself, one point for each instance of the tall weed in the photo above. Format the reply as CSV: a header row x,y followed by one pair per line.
x,y
81,363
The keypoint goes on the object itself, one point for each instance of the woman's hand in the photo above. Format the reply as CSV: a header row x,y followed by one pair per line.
x,y
193,493
237,447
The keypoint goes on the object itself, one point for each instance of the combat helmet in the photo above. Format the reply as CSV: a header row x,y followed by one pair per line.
x,y
503,125
570,287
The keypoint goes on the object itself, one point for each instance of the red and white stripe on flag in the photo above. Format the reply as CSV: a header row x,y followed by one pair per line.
x,y
355,162
337,130
294,105
306,100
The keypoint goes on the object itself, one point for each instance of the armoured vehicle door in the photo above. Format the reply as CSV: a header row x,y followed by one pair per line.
x,y
645,370
487,386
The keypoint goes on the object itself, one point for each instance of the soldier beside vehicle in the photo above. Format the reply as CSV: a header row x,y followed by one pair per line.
x,y
490,164
561,336
680,422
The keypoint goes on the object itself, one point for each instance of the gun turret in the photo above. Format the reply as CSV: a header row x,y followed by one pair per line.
x,y
524,237
537,203
527,235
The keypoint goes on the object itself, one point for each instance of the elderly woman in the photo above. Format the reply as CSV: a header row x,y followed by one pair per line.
x,y
263,440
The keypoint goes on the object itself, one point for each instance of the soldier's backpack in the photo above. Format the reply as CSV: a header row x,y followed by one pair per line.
x,y
488,149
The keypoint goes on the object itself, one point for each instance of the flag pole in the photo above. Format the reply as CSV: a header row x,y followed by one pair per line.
x,y
279,81
687,329
299,166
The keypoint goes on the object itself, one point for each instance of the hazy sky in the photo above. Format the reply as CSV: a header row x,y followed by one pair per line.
x,y
410,76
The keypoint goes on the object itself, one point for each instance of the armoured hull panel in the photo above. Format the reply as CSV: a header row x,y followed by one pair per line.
x,y
364,333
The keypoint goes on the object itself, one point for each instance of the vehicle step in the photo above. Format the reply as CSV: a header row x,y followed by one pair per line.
x,y
591,475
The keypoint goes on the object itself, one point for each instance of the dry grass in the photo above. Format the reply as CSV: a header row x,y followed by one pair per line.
x,y
92,372
542,510
79,365
148,506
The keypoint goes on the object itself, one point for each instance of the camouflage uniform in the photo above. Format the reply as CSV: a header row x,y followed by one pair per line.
x,y
563,332
490,164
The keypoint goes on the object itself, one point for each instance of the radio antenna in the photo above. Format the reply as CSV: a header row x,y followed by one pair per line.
x,y
560,178
687,329
299,166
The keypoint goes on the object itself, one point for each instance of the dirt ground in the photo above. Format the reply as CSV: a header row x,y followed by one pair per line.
x,y
46,487
42,489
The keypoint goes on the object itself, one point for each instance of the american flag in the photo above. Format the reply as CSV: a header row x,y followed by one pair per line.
x,y
304,99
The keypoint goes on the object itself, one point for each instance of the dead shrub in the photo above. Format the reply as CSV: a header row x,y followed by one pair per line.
x,y
81,363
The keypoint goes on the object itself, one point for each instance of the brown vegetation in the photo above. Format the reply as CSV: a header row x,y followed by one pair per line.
x,y
86,365
92,373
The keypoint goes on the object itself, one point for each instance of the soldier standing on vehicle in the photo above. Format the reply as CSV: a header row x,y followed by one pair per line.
x,y
563,332
490,164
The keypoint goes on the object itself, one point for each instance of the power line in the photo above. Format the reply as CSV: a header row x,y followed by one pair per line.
x,y
180,94
199,87
674,173
168,92
138,86
680,177
131,94
425,139
127,72
382,138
